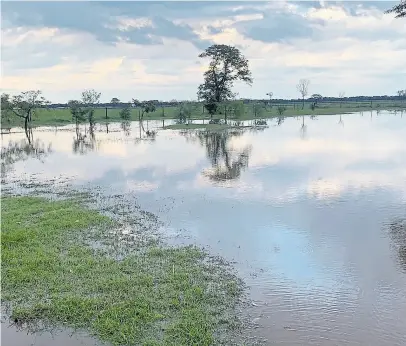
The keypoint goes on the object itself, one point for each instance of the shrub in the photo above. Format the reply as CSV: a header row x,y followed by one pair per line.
x,y
281,110
125,113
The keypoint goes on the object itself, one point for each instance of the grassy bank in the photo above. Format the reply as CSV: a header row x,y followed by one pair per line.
x,y
154,296
58,117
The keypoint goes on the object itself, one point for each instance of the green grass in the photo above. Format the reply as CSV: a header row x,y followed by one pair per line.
x,y
58,117
155,296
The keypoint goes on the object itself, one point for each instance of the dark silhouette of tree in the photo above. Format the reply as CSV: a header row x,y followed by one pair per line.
x,y
227,66
399,9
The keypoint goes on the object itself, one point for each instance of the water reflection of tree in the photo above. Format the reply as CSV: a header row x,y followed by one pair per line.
x,y
227,163
84,143
341,122
126,127
303,129
22,150
397,231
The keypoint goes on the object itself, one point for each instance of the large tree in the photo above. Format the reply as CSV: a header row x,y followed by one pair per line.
x,y
399,9
227,66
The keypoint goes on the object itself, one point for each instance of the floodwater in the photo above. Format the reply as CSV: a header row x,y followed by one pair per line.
x,y
308,209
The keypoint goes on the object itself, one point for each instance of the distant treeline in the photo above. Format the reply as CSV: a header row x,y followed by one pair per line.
x,y
174,103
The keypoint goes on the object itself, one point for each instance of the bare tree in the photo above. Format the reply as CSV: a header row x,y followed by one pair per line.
x,y
270,94
341,95
303,88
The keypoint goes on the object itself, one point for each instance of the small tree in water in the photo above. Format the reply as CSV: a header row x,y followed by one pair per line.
x,y
90,99
125,113
77,111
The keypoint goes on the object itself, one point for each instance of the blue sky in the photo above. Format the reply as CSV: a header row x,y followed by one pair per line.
x,y
149,49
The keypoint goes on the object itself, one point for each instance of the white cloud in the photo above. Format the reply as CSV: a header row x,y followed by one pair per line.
x,y
332,46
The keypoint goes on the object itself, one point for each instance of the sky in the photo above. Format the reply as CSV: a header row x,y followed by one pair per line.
x,y
149,49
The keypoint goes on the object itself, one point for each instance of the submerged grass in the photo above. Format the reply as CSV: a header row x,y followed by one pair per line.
x,y
156,295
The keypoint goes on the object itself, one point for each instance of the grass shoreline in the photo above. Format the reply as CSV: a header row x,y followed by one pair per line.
x,y
153,295
61,117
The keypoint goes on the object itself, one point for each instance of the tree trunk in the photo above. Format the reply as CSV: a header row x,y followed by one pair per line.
x,y
303,103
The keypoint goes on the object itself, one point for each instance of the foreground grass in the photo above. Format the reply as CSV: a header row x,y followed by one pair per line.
x,y
157,296
59,117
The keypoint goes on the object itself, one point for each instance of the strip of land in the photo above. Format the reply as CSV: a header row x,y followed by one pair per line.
x,y
59,117
53,273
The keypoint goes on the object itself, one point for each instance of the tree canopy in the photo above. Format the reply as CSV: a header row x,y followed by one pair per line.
x,y
399,9
227,66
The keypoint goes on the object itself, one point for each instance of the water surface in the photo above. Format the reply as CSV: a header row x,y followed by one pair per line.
x,y
307,209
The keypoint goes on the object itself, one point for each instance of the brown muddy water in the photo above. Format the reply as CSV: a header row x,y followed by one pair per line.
x,y
306,209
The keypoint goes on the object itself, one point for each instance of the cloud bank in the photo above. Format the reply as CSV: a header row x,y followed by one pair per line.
x,y
149,50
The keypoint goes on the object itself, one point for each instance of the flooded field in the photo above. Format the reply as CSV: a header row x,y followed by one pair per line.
x,y
307,208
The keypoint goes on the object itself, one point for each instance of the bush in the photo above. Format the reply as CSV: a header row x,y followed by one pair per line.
x,y
281,109
125,113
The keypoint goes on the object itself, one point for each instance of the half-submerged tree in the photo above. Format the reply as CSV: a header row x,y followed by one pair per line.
x,y
23,105
227,66
399,9
303,88
78,111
